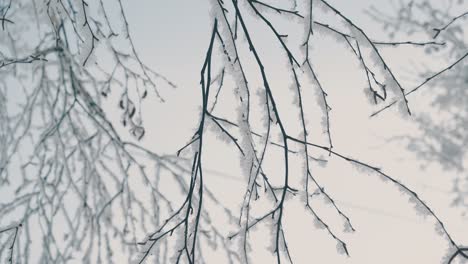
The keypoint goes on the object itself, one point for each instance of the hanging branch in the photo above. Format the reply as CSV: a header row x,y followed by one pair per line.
x,y
68,166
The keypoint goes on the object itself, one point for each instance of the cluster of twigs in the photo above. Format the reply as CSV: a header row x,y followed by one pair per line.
x,y
443,140
83,184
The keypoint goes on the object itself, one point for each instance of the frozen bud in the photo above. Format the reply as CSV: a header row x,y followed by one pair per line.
x,y
341,248
138,132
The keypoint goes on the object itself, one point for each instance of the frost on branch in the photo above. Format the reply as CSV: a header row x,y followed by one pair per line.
x,y
100,197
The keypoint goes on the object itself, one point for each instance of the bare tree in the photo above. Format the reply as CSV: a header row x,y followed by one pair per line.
x,y
77,190
444,138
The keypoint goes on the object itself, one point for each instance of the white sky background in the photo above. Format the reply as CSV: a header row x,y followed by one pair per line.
x,y
172,36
